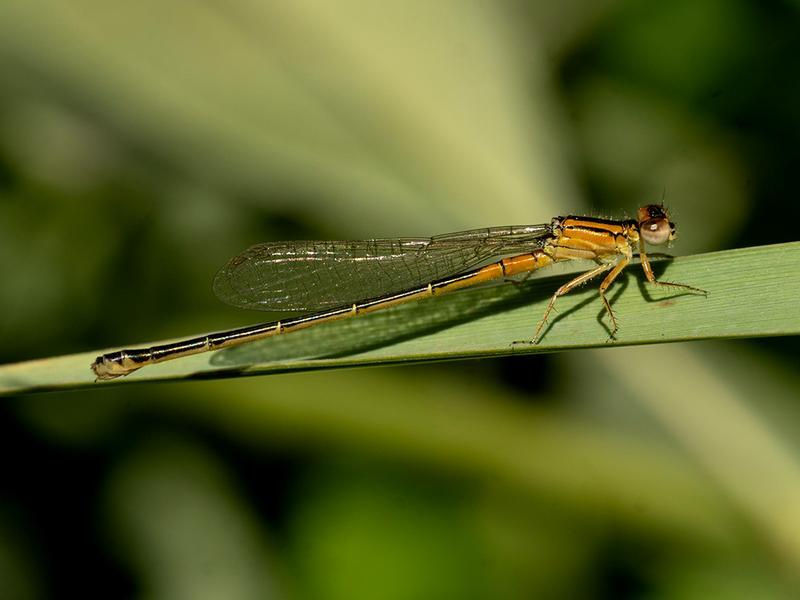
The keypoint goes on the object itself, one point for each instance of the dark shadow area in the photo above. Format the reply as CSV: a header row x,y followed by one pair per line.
x,y
391,326
394,325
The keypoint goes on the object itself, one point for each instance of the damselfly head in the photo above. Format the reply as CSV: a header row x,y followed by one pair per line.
x,y
654,225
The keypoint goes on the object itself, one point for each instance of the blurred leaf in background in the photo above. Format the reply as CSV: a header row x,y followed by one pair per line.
x,y
142,144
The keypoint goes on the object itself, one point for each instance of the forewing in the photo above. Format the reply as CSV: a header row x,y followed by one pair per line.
x,y
312,275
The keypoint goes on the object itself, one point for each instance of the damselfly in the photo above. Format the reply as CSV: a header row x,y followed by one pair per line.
x,y
332,280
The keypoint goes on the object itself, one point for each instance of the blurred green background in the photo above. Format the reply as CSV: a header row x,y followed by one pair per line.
x,y
142,144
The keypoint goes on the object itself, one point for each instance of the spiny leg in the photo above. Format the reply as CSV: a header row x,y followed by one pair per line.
x,y
680,286
606,284
648,273
565,289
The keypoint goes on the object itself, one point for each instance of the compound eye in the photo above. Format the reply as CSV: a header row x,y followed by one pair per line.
x,y
657,232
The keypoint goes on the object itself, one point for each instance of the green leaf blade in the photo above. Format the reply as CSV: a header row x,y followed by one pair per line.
x,y
752,292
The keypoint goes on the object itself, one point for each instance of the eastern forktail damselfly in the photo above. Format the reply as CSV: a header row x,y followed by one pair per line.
x,y
333,280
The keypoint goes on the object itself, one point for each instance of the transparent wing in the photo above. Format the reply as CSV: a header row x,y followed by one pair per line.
x,y
312,275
